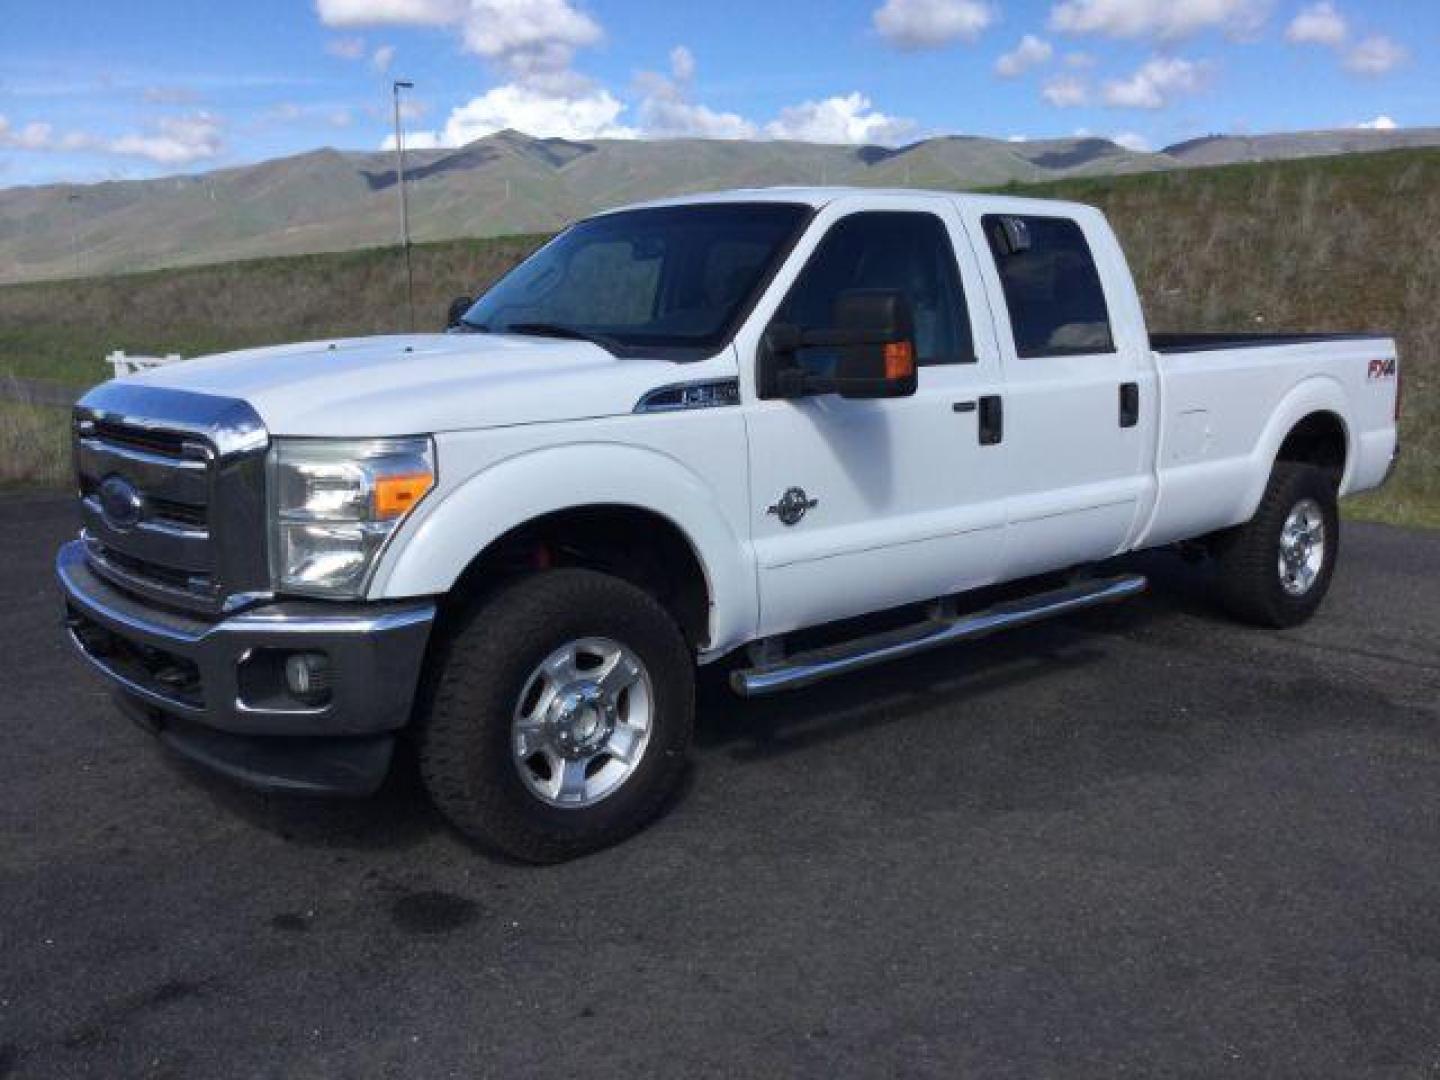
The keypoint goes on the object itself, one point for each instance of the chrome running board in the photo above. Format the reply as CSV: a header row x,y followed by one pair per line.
x,y
804,669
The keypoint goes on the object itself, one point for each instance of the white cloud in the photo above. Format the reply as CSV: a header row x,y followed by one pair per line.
x,y
531,42
419,140
175,140
340,118
389,12
1380,123
848,119
929,24
529,36
33,136
666,111
382,58
1131,141
1080,61
1066,92
660,119
1165,20
346,48
1376,55
1155,84
172,140
1318,24
1030,53
592,114
682,64
526,38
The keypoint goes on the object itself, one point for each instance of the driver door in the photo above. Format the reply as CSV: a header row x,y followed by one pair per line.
x,y
862,505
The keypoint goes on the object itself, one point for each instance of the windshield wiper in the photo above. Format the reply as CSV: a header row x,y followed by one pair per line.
x,y
556,330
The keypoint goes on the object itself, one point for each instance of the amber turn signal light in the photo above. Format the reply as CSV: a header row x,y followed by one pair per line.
x,y
899,360
396,495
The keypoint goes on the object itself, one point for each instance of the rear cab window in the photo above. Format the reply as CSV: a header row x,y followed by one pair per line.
x,y
1052,285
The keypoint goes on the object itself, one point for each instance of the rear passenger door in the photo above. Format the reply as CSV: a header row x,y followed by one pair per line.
x,y
1076,387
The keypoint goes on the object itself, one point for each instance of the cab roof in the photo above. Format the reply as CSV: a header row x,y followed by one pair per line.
x,y
820,196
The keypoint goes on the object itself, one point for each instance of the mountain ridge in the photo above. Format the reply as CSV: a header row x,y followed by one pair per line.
x,y
509,182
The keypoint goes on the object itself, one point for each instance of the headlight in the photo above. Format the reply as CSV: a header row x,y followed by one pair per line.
x,y
335,502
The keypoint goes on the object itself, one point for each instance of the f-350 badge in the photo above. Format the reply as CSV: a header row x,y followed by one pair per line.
x,y
793,506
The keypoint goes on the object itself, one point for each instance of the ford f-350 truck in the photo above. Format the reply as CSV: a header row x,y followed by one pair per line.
x,y
717,426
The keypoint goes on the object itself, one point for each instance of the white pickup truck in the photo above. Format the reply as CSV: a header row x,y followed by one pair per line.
x,y
710,427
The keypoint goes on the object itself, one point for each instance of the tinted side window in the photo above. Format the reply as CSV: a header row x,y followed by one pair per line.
x,y
886,249
1052,288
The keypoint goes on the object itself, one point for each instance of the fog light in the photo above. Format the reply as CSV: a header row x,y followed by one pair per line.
x,y
307,676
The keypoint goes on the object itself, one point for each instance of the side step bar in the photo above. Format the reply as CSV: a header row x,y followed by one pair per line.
x,y
806,668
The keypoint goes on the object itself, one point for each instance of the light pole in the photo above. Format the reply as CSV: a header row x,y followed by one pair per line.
x,y
396,87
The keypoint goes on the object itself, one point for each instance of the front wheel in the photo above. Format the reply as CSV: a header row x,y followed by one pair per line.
x,y
1276,569
562,717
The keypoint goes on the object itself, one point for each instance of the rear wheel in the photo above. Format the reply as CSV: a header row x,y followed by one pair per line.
x,y
1275,570
562,717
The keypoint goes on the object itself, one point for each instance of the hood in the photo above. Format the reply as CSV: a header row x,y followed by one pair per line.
x,y
419,383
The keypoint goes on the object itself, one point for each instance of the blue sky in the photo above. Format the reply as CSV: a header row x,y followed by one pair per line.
x,y
94,90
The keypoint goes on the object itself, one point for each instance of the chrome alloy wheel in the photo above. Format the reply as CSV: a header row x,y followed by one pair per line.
x,y
582,723
1302,547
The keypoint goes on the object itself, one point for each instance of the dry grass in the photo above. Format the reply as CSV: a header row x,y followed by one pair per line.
x,y
34,445
1341,243
63,330
1333,244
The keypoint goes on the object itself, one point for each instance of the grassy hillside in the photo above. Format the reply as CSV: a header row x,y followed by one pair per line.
x,y
509,183
62,330
1340,243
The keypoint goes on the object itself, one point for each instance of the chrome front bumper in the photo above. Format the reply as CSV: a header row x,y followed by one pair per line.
x,y
212,685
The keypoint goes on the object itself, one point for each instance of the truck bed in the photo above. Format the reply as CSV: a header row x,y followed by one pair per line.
x,y
1227,402
1209,342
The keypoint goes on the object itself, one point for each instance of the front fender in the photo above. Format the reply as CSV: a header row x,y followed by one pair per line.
x,y
431,552
1320,393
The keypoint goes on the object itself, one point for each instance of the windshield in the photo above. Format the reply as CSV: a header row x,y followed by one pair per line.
x,y
676,276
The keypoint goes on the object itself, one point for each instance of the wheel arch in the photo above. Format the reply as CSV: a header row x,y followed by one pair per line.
x,y
587,492
1311,425
634,543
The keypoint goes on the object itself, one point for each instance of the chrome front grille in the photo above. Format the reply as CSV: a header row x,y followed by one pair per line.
x,y
172,495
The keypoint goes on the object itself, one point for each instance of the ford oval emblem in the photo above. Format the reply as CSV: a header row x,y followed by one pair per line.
x,y
120,504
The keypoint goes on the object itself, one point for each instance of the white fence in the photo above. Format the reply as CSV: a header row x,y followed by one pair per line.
x,y
129,365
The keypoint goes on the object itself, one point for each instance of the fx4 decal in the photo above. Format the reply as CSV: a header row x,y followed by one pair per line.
x,y
1382,369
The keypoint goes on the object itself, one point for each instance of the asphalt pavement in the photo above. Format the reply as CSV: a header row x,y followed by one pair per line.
x,y
1138,841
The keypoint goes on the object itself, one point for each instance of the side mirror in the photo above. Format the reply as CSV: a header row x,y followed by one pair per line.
x,y
1012,235
458,307
872,343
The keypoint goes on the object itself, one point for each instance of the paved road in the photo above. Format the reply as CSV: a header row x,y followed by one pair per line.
x,y
1142,841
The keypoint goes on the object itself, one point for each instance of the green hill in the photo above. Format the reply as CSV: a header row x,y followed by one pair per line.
x,y
509,182
1334,243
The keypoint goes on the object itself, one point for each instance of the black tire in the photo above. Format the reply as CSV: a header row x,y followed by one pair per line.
x,y
465,736
1248,556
